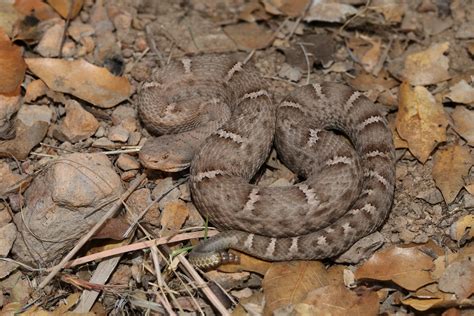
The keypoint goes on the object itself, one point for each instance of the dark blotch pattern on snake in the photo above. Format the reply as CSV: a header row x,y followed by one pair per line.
x,y
220,119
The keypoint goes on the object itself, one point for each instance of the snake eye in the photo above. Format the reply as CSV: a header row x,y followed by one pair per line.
x,y
165,156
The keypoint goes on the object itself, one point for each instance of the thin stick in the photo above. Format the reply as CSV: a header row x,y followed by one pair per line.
x,y
94,229
203,286
137,246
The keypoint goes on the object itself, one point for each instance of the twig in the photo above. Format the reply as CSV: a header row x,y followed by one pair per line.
x,y
308,68
203,285
94,229
137,246
298,20
66,26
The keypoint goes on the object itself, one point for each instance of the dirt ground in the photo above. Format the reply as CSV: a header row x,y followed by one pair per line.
x,y
70,136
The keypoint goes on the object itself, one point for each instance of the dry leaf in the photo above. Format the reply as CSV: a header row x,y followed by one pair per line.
x,y
113,228
173,217
8,17
252,12
464,123
289,282
12,66
337,300
427,67
407,267
81,79
421,121
247,263
327,11
367,50
461,92
392,10
442,262
68,9
451,164
36,8
458,278
291,8
249,36
463,228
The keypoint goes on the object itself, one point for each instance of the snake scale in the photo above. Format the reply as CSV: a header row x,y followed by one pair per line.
x,y
217,116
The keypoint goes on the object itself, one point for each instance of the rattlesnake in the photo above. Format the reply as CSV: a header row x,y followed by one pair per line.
x,y
220,119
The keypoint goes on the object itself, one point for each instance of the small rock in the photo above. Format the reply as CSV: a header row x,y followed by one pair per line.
x,y
123,112
134,138
5,217
138,201
432,196
78,30
185,193
78,123
194,219
173,217
50,43
118,134
290,73
8,177
62,203
31,127
128,175
127,162
141,44
104,143
141,72
465,31
8,107
7,237
162,189
100,132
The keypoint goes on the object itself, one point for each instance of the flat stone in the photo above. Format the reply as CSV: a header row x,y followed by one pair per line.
x,y
62,204
7,237
127,162
118,134
78,123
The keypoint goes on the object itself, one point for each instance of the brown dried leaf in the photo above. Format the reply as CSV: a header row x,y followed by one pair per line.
x,y
67,8
36,8
249,36
451,164
8,16
291,8
421,121
463,228
367,50
442,262
247,263
252,12
458,278
464,123
337,300
289,282
81,79
12,66
427,67
113,228
34,90
407,267
173,217
461,92
392,10
327,11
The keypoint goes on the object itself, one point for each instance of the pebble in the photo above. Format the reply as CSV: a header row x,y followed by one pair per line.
x,y
127,162
78,124
118,134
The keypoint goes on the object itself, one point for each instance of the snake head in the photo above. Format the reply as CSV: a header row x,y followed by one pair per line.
x,y
166,153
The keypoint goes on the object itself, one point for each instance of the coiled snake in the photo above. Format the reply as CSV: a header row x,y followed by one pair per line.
x,y
219,118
